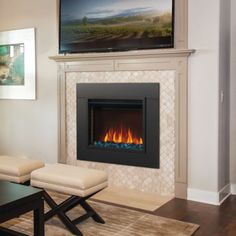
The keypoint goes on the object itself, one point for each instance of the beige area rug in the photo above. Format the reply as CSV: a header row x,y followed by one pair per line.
x,y
119,222
132,198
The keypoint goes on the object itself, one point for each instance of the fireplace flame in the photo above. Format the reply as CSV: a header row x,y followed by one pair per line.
x,y
122,135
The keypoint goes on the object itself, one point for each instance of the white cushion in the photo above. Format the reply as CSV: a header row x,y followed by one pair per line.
x,y
68,179
16,179
17,169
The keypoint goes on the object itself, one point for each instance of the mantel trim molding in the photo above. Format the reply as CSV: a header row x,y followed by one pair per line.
x,y
123,55
177,62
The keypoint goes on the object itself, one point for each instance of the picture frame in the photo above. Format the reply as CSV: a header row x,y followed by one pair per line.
x,y
17,64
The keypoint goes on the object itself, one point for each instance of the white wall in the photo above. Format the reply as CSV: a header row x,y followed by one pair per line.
x,y
30,127
233,97
203,33
209,74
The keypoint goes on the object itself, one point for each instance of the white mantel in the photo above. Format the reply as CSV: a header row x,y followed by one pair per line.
x,y
138,54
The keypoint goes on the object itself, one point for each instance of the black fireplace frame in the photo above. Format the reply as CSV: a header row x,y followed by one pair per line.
x,y
149,93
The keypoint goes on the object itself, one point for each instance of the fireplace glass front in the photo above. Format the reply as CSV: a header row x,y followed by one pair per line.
x,y
116,124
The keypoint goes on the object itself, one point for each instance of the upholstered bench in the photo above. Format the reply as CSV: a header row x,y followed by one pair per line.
x,y
18,170
80,183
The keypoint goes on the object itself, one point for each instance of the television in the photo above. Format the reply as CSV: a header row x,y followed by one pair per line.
x,y
115,25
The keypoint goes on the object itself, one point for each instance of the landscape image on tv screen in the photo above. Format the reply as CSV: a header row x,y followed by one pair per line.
x,y
115,25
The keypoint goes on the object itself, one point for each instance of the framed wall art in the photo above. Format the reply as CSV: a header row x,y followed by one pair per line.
x,y
17,64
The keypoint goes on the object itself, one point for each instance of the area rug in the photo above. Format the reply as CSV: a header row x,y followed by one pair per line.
x,y
119,222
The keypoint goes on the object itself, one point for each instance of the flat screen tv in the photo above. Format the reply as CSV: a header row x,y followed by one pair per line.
x,y
115,25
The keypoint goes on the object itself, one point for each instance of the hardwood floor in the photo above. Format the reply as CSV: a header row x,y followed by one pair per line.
x,y
213,220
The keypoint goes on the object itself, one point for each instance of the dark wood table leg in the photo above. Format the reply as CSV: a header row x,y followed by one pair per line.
x,y
39,219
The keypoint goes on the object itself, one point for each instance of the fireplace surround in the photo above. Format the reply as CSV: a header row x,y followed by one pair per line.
x,y
167,67
118,123
170,68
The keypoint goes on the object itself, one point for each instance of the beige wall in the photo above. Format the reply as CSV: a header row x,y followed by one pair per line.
x,y
30,127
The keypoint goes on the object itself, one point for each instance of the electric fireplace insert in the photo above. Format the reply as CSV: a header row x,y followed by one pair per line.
x,y
118,123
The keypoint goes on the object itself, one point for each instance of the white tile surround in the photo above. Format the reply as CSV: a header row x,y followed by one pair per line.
x,y
160,181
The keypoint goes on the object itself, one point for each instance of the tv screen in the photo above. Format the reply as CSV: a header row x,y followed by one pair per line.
x,y
115,25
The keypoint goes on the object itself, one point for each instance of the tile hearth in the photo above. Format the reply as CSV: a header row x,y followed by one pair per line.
x,y
132,198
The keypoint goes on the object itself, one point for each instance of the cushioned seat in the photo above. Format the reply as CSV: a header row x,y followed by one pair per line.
x,y
72,180
81,183
17,169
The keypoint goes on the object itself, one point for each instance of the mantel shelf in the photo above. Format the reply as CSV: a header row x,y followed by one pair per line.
x,y
123,55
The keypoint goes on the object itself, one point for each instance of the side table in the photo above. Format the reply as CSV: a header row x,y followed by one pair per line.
x,y
17,199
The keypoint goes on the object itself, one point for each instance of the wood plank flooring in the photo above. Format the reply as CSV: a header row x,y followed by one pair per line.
x,y
213,220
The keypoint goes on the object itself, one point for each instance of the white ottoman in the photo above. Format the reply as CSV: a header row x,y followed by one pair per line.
x,y
17,169
71,180
81,183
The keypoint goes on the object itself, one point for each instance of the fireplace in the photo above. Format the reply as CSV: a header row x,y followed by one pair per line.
x,y
118,123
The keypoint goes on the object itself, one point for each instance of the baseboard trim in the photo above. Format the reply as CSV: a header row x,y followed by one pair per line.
x,y
224,193
203,196
233,189
213,198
